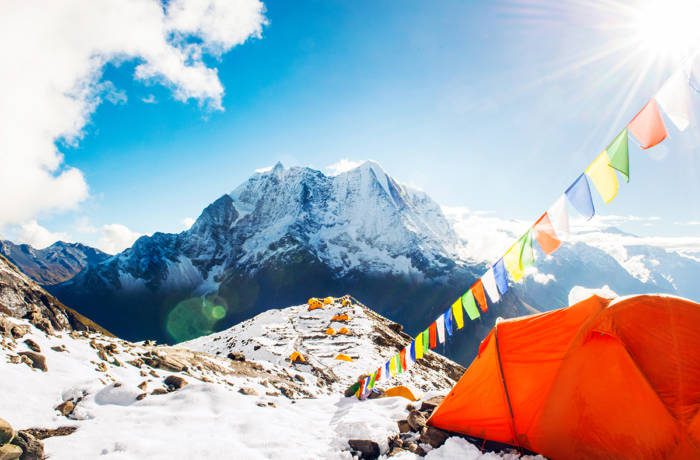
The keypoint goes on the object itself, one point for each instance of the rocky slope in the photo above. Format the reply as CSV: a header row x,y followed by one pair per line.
x,y
52,265
87,395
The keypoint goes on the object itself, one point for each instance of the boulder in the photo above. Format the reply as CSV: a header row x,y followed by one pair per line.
x,y
430,404
404,427
142,396
248,391
174,382
65,408
236,356
416,420
10,452
6,431
366,448
434,437
32,345
19,330
159,391
142,386
37,361
43,433
59,348
33,448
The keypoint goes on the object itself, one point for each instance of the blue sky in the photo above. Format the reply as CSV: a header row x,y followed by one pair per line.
x,y
492,105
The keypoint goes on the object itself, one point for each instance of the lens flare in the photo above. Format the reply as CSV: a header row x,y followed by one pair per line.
x,y
194,317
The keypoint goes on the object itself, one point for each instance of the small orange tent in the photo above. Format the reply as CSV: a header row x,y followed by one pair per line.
x,y
314,304
343,357
330,331
341,317
328,300
344,331
297,357
600,379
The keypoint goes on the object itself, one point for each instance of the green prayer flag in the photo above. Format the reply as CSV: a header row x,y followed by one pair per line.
x,y
618,152
527,254
426,340
399,367
372,380
469,304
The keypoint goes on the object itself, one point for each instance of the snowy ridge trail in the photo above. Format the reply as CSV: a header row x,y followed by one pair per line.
x,y
271,337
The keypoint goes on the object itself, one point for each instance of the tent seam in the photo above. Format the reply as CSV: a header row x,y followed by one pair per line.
x,y
505,389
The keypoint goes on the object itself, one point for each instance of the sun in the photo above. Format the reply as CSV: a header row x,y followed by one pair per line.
x,y
667,29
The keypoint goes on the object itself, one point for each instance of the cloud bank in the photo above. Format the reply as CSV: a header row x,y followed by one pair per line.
x,y
50,84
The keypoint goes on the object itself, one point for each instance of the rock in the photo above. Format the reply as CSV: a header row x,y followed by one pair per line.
x,y
416,420
366,448
117,384
154,373
14,359
404,427
159,391
248,391
395,441
32,447
142,386
65,408
299,378
10,452
138,362
103,355
430,404
43,433
6,431
19,330
433,436
38,361
415,448
236,356
170,364
395,451
272,393
32,345
396,327
410,407
59,348
142,396
101,366
174,382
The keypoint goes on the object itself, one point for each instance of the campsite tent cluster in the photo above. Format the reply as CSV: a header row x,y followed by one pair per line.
x,y
599,379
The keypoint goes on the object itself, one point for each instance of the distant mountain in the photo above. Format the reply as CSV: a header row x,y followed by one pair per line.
x,y
54,264
287,232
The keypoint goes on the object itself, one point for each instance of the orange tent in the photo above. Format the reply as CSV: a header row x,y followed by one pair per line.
x,y
344,331
314,304
599,379
341,317
343,357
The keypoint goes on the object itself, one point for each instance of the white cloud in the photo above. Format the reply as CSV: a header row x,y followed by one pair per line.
x,y
57,51
341,166
150,99
538,276
115,238
264,169
187,223
33,234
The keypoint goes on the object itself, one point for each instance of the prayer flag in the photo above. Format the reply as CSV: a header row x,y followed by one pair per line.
x,y
489,282
410,355
372,380
457,312
392,366
499,273
527,254
648,126
440,323
412,349
545,234
402,354
512,261
480,295
399,363
360,393
559,217
603,177
674,99
579,195
387,370
448,321
426,340
432,332
618,152
470,305
379,373
419,346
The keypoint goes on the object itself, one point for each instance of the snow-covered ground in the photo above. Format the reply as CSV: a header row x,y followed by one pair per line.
x,y
264,407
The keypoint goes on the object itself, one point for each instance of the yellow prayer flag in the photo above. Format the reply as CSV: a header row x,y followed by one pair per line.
x,y
458,313
512,262
603,177
392,367
418,346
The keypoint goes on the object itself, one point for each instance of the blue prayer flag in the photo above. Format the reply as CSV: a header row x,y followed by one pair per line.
x,y
412,351
448,321
579,195
501,276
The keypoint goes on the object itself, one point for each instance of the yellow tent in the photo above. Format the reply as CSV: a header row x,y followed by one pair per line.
x,y
328,300
346,302
342,357
314,304
297,357
402,391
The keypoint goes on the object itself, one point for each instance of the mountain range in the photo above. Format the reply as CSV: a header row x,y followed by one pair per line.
x,y
290,231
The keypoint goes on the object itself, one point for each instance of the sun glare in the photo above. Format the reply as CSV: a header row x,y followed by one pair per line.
x,y
668,28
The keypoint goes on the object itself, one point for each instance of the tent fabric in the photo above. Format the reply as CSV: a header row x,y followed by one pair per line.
x,y
401,391
600,379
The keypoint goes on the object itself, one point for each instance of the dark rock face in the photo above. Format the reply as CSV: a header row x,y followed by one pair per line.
x,y
37,361
365,448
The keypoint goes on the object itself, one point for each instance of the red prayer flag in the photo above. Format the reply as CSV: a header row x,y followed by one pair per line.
x,y
379,374
402,354
545,234
648,126
480,295
433,335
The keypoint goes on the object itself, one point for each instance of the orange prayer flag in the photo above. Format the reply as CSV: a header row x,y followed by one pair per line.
x,y
480,295
545,234
433,335
402,356
648,126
